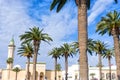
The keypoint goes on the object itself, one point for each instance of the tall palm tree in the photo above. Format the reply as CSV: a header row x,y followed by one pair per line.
x,y
67,50
35,35
90,47
9,61
26,50
100,48
55,53
82,31
16,70
111,25
109,54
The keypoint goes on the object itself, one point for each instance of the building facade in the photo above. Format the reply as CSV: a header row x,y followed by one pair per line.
x,y
43,74
73,73
9,74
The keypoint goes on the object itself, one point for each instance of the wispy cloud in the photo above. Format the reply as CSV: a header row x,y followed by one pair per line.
x,y
15,20
99,7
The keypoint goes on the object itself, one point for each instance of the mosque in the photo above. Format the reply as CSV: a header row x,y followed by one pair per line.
x,y
9,74
43,74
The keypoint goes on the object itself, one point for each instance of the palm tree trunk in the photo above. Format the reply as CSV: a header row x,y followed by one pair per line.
x,y
55,69
16,75
36,48
28,64
100,66
34,65
109,61
82,39
66,67
117,52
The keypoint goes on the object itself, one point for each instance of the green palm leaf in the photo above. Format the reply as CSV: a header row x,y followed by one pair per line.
x,y
26,50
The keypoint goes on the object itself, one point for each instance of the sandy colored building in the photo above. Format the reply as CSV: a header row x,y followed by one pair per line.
x,y
50,75
9,74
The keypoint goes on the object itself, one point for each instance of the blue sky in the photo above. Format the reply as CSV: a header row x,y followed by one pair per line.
x,y
17,16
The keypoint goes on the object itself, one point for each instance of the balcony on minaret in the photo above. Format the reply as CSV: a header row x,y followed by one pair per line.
x,y
11,44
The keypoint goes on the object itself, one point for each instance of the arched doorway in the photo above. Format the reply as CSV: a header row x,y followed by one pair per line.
x,y
41,76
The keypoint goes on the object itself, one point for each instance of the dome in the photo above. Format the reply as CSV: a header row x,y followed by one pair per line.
x,y
11,42
18,66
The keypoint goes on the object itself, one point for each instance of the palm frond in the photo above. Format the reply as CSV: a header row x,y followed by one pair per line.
x,y
109,22
61,4
88,4
26,50
57,3
116,1
54,3
55,52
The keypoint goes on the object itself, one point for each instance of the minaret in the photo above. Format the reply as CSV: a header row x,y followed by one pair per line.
x,y
11,49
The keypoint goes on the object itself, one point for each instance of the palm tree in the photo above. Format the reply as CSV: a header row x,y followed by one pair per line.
x,y
58,68
90,45
67,50
26,50
55,54
99,48
82,31
109,54
9,61
16,70
35,35
111,25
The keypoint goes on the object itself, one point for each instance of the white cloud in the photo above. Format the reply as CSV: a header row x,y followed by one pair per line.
x,y
14,20
58,26
99,7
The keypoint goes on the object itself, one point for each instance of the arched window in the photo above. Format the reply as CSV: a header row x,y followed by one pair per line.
x,y
41,75
76,76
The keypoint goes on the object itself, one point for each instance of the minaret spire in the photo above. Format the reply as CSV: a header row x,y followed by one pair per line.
x,y
11,49
12,41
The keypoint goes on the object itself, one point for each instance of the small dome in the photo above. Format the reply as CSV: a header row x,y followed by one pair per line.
x,y
18,66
